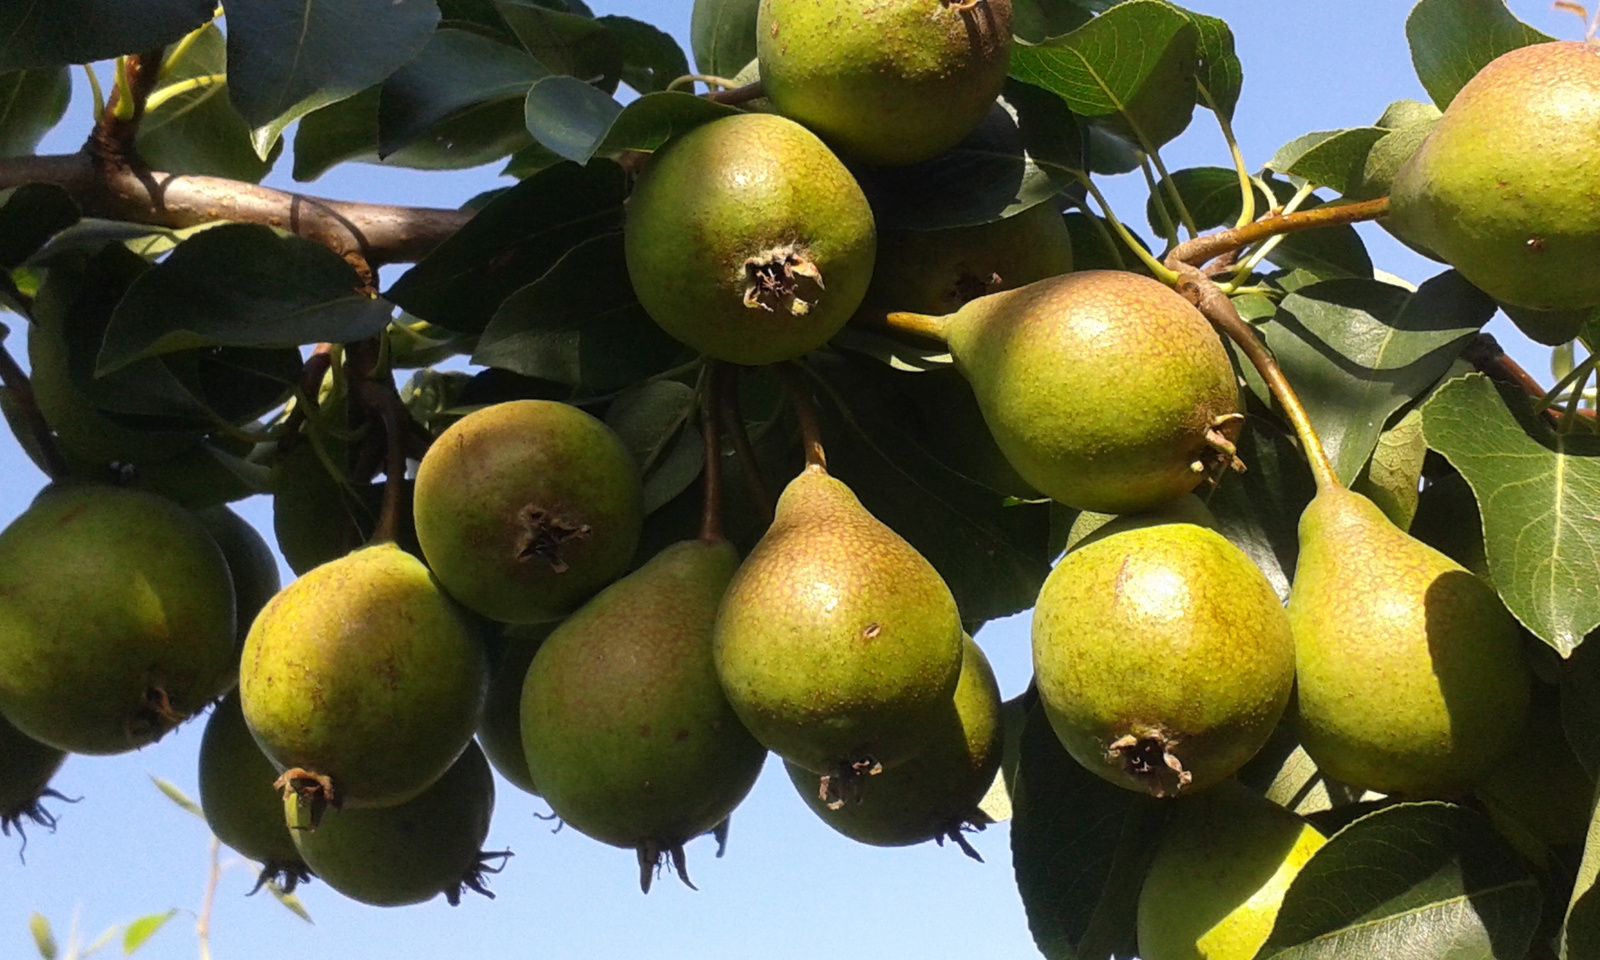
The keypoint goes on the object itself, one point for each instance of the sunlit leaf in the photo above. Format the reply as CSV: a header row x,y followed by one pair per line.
x,y
143,929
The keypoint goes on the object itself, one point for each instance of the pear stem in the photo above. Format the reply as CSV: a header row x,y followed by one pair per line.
x,y
381,398
806,412
732,413
1201,249
17,384
738,95
1200,290
916,325
711,479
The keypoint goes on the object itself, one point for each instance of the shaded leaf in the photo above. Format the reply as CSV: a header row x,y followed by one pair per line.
x,y
1451,40
1331,158
1038,20
1212,195
143,929
578,122
1537,491
43,940
1393,476
80,31
31,103
241,285
723,35
651,59
31,215
1220,70
571,44
1259,510
656,423
177,796
461,76
200,131
510,243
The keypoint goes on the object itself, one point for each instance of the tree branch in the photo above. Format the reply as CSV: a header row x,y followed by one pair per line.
x,y
1201,249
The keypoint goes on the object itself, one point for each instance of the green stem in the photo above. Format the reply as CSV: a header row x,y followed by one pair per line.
x,y
1172,190
1569,415
806,412
179,51
1169,228
689,79
182,87
1105,232
1579,373
1161,272
1247,190
94,89
916,325
126,106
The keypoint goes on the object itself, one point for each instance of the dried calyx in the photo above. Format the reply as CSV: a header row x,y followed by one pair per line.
x,y
784,279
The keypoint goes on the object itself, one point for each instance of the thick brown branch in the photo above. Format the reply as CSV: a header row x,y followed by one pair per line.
x,y
1201,249
380,233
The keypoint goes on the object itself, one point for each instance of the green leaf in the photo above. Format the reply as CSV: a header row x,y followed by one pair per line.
x,y
241,285
1431,876
1135,66
1580,933
1211,193
723,35
43,940
1359,350
1220,70
143,929
651,59
1537,490
510,243
1035,21
1451,40
199,131
286,58
1329,158
1327,253
38,34
656,423
1393,475
31,215
31,103
1259,510
1027,150
291,902
578,122
579,325
458,76
569,44
177,796
1080,847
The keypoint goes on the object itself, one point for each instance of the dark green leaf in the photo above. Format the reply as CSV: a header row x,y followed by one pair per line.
x,y
38,34
1359,350
460,76
651,59
1135,66
143,929
723,35
1038,20
557,118
1094,246
1220,72
571,44
579,324
1537,490
656,423
1080,847
1259,510
1451,40
1212,195
32,214
199,131
31,102
511,243
286,58
241,285
1431,876
1329,158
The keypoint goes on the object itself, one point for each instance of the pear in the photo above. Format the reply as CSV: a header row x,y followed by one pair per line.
x,y
500,729
935,794
412,852
524,509
241,806
627,732
838,644
1504,186
1162,655
1225,860
116,619
1411,674
884,81
362,680
1106,390
251,565
26,766
748,240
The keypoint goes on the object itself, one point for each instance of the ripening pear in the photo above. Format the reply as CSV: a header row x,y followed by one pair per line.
x,y
362,680
1504,187
838,644
935,794
241,805
1225,860
1411,675
748,240
116,618
26,766
626,729
1106,390
412,852
524,509
500,729
1162,655
251,564
885,81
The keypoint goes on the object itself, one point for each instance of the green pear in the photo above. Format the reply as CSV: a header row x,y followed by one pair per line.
x,y
26,766
626,729
363,679
1225,860
500,730
838,644
884,81
1106,390
241,806
414,851
251,565
935,794
524,509
1504,187
748,240
1411,674
1162,655
116,618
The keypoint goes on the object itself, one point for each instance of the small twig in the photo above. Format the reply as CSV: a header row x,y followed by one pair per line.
x,y
1484,353
711,479
690,79
380,397
202,923
21,390
738,95
732,412
806,412
1201,249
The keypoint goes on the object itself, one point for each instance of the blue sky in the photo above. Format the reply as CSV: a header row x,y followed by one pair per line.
x,y
789,887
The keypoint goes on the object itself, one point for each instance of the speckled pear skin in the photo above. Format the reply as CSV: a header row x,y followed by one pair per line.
x,y
411,852
732,194
525,508
1225,860
1162,630
626,728
116,618
363,671
886,82
937,791
1505,188
1411,674
1098,386
241,805
837,641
